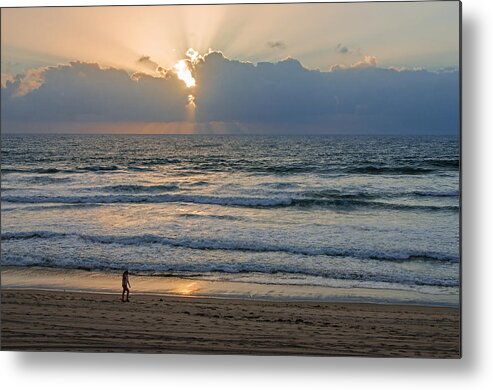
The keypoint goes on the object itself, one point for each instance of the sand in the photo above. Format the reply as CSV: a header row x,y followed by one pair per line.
x,y
42,278
38,320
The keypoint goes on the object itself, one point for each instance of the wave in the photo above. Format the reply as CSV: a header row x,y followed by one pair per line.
x,y
199,216
438,194
211,268
138,188
227,201
443,163
52,170
200,183
375,170
99,168
327,194
140,169
288,169
281,185
249,166
237,245
37,170
216,145
418,167
349,203
46,179
297,196
362,195
200,199
160,161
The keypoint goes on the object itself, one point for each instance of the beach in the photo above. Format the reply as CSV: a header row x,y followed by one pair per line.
x,y
35,320
85,321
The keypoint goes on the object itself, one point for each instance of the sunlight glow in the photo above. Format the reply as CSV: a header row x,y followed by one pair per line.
x,y
31,38
191,101
183,68
186,288
193,55
191,109
183,72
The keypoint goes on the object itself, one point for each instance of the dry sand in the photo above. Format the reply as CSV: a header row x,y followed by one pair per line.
x,y
94,322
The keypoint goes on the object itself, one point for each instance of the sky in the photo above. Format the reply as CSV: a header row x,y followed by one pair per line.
x,y
385,68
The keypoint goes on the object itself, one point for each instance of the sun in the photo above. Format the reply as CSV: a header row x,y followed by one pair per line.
x,y
183,72
183,67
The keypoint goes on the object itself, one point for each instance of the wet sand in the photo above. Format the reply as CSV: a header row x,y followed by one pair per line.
x,y
38,320
42,278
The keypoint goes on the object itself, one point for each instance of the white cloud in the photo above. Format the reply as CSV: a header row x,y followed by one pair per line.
x,y
33,79
366,62
4,78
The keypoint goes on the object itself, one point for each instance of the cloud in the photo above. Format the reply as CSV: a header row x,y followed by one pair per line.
x,y
342,49
151,65
276,45
146,60
4,78
238,97
287,97
336,67
367,62
86,92
448,69
32,80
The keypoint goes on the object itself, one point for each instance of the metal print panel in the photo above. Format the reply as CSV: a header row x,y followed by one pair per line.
x,y
232,179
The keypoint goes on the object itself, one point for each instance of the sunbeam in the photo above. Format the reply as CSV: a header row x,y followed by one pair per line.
x,y
118,36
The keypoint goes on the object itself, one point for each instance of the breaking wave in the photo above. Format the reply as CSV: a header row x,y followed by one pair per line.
x,y
236,245
335,202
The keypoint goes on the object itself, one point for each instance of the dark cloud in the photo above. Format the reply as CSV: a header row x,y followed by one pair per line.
x,y
240,97
342,49
87,92
151,65
363,98
277,45
146,60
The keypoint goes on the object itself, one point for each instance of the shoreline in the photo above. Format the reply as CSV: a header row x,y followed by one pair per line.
x,y
37,320
96,282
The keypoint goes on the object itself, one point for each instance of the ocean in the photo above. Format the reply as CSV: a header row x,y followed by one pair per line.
x,y
370,212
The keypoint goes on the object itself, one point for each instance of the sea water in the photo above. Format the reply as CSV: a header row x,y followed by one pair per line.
x,y
373,212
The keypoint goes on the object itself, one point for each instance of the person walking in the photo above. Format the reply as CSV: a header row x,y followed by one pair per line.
x,y
125,285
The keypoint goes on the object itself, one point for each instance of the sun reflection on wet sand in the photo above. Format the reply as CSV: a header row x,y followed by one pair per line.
x,y
186,288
